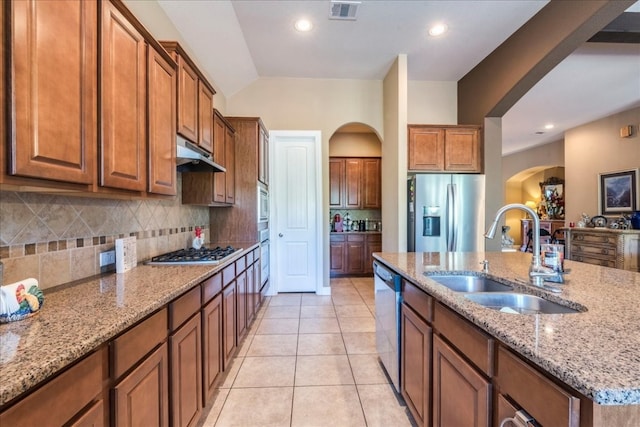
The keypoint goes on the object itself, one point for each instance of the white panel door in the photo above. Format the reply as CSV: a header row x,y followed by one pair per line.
x,y
295,201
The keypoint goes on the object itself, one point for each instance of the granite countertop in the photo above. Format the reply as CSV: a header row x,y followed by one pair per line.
x,y
596,352
78,318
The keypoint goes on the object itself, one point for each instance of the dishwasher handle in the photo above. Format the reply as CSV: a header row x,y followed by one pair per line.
x,y
382,272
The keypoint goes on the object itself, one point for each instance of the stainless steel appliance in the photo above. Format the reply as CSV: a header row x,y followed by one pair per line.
x,y
191,158
446,213
210,256
263,203
388,299
264,260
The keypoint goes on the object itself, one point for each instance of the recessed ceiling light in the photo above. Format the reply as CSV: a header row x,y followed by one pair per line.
x,y
437,30
549,126
303,25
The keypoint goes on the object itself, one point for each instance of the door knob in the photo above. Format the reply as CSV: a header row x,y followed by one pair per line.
x,y
280,235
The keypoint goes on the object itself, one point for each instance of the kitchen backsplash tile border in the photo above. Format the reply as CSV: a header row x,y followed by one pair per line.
x,y
58,262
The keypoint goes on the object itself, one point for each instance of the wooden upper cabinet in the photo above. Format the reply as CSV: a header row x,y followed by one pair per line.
x,y
205,117
219,150
336,182
195,99
354,183
263,156
162,125
53,48
462,150
445,148
426,148
187,100
371,183
230,165
123,102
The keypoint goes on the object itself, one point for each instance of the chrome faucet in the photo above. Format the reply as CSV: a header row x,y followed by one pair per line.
x,y
537,272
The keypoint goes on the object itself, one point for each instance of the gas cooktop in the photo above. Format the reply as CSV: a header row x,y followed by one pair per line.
x,y
210,256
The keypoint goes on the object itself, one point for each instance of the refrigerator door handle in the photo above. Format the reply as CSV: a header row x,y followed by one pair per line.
x,y
451,208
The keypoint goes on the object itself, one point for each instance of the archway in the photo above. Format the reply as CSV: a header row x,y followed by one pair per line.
x,y
524,187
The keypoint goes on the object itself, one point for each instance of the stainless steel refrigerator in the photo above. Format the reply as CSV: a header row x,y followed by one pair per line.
x,y
446,213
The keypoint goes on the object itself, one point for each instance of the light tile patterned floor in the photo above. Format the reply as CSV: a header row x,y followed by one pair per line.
x,y
310,360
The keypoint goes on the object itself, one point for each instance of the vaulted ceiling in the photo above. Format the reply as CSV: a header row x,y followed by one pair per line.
x,y
240,41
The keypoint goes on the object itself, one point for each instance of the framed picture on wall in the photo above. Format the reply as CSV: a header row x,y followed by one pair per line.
x,y
618,192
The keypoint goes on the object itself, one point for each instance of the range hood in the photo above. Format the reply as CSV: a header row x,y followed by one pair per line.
x,y
191,158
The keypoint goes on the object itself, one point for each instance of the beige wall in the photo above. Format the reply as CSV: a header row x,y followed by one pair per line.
x,y
312,104
348,144
394,158
156,21
595,148
432,102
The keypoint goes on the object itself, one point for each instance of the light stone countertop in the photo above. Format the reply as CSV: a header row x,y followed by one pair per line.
x,y
78,318
596,352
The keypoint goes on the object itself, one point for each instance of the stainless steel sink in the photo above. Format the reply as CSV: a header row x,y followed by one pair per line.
x,y
469,283
520,303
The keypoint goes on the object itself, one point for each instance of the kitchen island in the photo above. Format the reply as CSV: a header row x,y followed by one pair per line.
x,y
87,321
594,353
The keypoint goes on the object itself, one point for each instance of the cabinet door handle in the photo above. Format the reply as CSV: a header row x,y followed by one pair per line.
x,y
280,235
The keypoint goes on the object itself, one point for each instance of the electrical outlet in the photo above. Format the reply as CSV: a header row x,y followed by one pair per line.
x,y
107,258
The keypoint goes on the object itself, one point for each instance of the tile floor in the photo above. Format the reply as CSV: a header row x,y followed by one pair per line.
x,y
310,360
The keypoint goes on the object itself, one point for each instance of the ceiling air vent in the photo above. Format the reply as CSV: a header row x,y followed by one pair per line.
x,y
344,10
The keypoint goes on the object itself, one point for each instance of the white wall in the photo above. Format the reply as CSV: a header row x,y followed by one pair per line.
x,y
595,148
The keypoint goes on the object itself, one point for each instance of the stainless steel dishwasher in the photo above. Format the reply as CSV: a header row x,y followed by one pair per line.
x,y
388,299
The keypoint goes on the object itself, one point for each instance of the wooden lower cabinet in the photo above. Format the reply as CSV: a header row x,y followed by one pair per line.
x,y
461,396
350,253
548,403
211,346
355,253
229,323
93,416
141,398
415,365
372,244
186,373
241,306
73,394
251,285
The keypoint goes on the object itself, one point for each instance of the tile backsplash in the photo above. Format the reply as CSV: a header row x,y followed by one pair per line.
x,y
57,238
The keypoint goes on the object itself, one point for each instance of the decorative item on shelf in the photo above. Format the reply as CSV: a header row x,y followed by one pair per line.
x,y
618,191
551,199
598,221
507,240
585,219
20,300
